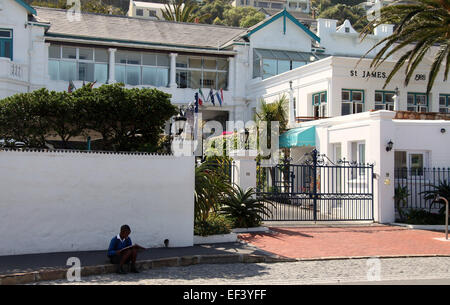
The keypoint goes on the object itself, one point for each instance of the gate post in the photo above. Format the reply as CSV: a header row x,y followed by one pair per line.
x,y
244,169
314,160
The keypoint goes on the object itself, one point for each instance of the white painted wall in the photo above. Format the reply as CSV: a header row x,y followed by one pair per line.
x,y
376,129
56,201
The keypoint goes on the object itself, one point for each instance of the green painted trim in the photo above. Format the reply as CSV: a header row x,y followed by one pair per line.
x,y
39,24
127,41
447,98
12,42
284,14
30,9
383,92
418,93
351,94
319,93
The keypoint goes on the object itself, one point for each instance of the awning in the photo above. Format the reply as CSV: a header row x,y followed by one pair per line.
x,y
297,137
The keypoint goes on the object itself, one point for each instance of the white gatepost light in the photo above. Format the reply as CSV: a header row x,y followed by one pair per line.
x,y
291,106
396,96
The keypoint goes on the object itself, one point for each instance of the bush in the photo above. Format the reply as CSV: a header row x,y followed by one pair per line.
x,y
423,217
243,208
214,224
127,119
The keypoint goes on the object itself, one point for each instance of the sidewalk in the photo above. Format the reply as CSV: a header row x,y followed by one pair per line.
x,y
20,269
326,242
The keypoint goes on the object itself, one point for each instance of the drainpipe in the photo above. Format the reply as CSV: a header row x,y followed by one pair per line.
x,y
30,48
291,106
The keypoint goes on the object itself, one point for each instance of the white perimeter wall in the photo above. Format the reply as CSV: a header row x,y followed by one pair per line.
x,y
54,201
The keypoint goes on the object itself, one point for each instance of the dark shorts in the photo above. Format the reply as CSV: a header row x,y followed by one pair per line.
x,y
115,259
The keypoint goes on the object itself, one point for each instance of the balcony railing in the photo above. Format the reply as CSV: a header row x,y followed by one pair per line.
x,y
12,70
301,119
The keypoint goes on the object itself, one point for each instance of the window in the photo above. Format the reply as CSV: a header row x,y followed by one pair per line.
x,y
417,102
262,4
139,12
444,103
202,72
268,63
293,5
152,13
277,6
73,63
384,100
358,156
141,68
409,164
352,101
6,43
319,101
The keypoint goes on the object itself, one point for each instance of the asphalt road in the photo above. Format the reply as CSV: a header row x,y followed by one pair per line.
x,y
410,271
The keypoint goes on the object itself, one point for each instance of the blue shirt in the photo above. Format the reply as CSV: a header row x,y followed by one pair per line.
x,y
118,244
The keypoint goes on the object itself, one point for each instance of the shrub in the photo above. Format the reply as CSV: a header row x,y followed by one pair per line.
x,y
423,217
243,208
442,189
214,224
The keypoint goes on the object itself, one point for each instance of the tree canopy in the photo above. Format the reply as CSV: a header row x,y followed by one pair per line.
x,y
127,119
421,25
355,14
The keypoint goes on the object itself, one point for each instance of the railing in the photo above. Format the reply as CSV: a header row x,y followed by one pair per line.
x,y
301,119
12,70
415,183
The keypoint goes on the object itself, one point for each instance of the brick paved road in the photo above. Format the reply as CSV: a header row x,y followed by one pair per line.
x,y
314,242
305,272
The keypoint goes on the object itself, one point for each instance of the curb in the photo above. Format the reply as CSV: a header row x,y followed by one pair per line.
x,y
420,227
51,274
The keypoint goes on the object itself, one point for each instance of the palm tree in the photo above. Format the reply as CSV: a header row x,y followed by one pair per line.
x,y
244,208
182,11
420,24
271,112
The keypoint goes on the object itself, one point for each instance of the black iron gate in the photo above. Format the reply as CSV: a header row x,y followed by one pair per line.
x,y
317,190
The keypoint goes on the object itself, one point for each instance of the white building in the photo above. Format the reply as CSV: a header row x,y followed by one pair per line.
x,y
321,73
301,6
149,10
43,47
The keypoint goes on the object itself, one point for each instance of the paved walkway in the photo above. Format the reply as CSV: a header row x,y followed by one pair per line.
x,y
32,262
304,272
316,242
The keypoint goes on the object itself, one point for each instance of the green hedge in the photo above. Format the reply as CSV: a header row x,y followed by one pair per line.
x,y
127,119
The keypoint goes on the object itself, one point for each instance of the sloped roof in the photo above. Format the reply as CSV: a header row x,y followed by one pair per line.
x,y
27,7
281,14
137,30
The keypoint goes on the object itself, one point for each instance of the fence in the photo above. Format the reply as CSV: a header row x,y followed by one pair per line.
x,y
317,191
417,182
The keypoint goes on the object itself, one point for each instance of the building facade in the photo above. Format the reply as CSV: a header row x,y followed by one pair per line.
x,y
302,6
322,72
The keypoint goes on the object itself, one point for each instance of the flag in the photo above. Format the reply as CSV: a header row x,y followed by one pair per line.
x,y
91,85
221,94
201,93
211,95
196,102
71,87
219,99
